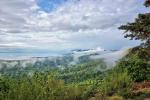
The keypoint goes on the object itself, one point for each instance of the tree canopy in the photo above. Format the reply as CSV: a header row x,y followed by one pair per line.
x,y
140,29
147,3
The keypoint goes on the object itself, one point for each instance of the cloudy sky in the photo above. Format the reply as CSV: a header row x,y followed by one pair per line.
x,y
66,24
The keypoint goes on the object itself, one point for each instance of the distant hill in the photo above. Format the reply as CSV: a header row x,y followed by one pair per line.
x,y
78,56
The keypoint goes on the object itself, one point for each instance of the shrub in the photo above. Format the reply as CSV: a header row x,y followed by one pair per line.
x,y
137,68
116,82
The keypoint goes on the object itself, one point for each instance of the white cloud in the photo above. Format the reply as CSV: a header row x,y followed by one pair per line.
x,y
72,25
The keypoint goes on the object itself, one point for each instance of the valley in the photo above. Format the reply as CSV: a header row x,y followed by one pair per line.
x,y
66,60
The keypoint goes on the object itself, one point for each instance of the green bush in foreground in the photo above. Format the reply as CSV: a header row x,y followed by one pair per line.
x,y
137,65
86,81
38,87
117,81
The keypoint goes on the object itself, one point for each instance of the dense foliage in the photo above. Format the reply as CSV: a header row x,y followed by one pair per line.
x,y
38,87
138,60
79,82
85,71
147,3
72,83
140,29
128,80
138,67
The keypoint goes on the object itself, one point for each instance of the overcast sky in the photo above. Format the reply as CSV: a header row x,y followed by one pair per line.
x,y
66,24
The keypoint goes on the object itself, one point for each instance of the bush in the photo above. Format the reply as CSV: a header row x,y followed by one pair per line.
x,y
38,87
116,82
138,68
115,98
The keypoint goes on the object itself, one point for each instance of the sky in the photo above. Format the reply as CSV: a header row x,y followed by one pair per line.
x,y
59,25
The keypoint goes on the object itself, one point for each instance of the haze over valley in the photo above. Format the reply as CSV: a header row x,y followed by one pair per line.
x,y
75,50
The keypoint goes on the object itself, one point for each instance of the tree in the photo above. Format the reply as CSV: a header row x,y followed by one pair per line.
x,y
140,29
137,61
147,3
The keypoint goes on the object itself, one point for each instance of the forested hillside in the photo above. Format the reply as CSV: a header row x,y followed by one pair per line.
x,y
128,80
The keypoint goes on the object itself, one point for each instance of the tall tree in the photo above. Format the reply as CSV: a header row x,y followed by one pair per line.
x,y
140,29
138,62
147,3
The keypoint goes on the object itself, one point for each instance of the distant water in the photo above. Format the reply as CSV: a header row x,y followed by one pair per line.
x,y
22,53
27,54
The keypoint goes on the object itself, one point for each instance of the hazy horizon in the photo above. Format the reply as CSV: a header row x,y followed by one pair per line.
x,y
52,27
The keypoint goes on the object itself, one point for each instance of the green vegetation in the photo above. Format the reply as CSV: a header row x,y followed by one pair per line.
x,y
84,71
137,65
117,81
72,83
37,87
128,80
79,82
